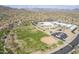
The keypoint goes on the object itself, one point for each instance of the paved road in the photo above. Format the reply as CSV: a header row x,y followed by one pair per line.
x,y
68,48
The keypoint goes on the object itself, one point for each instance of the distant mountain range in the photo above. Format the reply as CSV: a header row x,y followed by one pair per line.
x,y
39,9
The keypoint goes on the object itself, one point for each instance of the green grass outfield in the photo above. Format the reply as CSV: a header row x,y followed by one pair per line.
x,y
30,37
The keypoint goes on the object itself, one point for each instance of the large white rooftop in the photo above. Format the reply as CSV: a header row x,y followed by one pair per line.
x,y
70,26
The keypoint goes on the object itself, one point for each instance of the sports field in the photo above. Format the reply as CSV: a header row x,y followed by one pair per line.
x,y
29,39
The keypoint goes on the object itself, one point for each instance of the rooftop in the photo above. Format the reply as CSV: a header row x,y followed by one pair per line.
x,y
54,23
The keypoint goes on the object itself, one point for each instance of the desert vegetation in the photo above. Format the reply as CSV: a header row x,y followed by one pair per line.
x,y
27,38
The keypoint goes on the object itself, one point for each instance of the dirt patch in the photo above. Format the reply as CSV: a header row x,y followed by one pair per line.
x,y
48,40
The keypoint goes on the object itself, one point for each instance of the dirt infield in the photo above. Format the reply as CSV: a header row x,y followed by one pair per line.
x,y
48,40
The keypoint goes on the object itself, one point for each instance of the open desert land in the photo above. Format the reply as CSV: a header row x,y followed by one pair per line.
x,y
37,31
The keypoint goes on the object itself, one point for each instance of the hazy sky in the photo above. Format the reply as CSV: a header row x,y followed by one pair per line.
x,y
45,6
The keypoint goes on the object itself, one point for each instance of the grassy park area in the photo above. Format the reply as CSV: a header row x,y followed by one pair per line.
x,y
30,37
